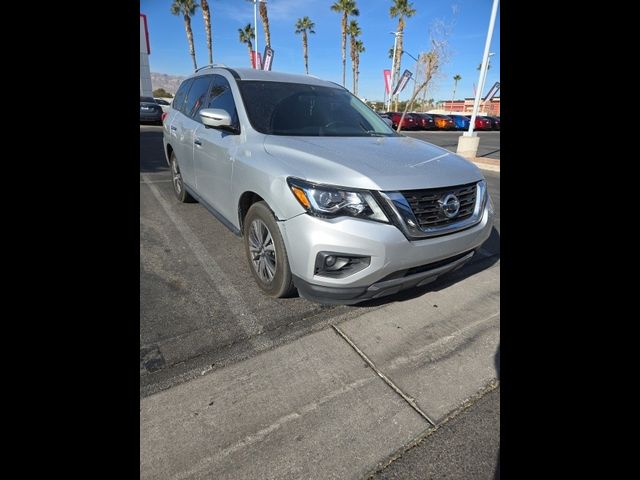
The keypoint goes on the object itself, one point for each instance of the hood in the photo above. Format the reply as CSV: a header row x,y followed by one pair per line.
x,y
373,163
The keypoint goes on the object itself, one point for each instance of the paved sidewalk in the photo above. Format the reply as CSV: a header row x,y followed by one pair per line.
x,y
314,409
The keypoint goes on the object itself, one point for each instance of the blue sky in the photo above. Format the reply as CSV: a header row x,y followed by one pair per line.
x,y
469,19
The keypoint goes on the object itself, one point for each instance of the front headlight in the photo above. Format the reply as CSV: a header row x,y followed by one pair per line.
x,y
330,202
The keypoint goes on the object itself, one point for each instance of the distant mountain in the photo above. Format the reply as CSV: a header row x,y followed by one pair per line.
x,y
169,82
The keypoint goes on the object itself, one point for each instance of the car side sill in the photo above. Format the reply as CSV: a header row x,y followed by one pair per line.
x,y
212,210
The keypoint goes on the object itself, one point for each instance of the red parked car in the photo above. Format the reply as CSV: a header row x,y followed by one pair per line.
x,y
409,123
482,123
424,121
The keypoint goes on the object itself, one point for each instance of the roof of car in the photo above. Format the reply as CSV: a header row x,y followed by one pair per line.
x,y
254,74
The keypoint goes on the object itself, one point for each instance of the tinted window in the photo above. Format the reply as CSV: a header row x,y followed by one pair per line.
x,y
197,96
147,99
279,108
221,96
162,102
181,94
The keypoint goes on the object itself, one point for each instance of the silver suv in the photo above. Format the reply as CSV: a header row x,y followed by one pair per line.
x,y
328,199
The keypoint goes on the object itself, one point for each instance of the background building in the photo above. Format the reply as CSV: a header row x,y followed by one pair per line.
x,y
491,107
145,73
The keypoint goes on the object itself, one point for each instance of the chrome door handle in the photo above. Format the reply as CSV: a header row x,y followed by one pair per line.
x,y
197,142
173,128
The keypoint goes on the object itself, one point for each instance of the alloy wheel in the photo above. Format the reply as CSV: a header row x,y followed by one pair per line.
x,y
262,249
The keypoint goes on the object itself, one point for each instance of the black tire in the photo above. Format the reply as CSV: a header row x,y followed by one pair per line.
x,y
275,264
178,185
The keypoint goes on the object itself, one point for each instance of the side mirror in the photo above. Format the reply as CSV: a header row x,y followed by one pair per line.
x,y
216,118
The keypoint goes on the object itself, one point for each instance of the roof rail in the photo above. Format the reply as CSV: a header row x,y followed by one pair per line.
x,y
211,65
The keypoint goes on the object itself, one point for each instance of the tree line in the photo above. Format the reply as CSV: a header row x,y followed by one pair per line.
x,y
347,9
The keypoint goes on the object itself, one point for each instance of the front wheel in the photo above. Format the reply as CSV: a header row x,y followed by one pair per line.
x,y
178,183
266,252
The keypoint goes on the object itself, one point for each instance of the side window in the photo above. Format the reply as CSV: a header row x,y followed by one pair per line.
x,y
181,94
197,96
221,96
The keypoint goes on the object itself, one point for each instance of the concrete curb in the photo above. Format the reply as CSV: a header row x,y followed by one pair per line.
x,y
487,164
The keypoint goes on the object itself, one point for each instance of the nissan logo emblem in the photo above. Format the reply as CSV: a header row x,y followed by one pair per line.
x,y
449,205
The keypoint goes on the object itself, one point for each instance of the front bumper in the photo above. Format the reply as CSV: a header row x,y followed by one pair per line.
x,y
390,251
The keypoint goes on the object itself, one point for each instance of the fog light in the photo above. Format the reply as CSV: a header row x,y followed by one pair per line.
x,y
339,265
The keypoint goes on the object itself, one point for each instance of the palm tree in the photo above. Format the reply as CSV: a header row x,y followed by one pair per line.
x,y
262,10
187,8
304,25
401,9
359,49
456,79
346,7
353,31
206,15
246,34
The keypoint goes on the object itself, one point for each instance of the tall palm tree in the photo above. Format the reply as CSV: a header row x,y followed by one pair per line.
x,y
264,16
354,32
262,10
359,49
187,8
304,25
456,79
401,9
346,7
206,15
246,34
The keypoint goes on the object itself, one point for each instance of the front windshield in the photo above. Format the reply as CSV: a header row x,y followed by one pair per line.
x,y
279,108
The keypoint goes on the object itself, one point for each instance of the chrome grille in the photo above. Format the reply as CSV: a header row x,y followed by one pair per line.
x,y
428,212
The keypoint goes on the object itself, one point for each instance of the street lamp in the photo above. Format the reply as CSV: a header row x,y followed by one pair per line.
x,y
255,31
468,142
485,78
393,63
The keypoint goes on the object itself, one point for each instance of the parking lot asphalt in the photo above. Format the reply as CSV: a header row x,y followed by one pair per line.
x,y
199,306
489,146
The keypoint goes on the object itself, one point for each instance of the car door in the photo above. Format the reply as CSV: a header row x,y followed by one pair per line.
x,y
215,151
190,121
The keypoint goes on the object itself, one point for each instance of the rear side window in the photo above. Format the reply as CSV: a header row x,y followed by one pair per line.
x,y
181,94
221,96
197,96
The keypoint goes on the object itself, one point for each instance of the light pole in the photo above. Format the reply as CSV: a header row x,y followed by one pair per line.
x,y
468,141
255,31
393,64
484,80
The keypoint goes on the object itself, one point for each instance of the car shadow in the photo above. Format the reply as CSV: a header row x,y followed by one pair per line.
x,y
481,261
152,158
489,153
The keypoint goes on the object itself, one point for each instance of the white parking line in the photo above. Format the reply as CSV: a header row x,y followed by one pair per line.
x,y
155,181
245,319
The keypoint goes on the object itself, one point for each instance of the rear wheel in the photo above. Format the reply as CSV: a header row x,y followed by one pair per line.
x,y
178,183
266,252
